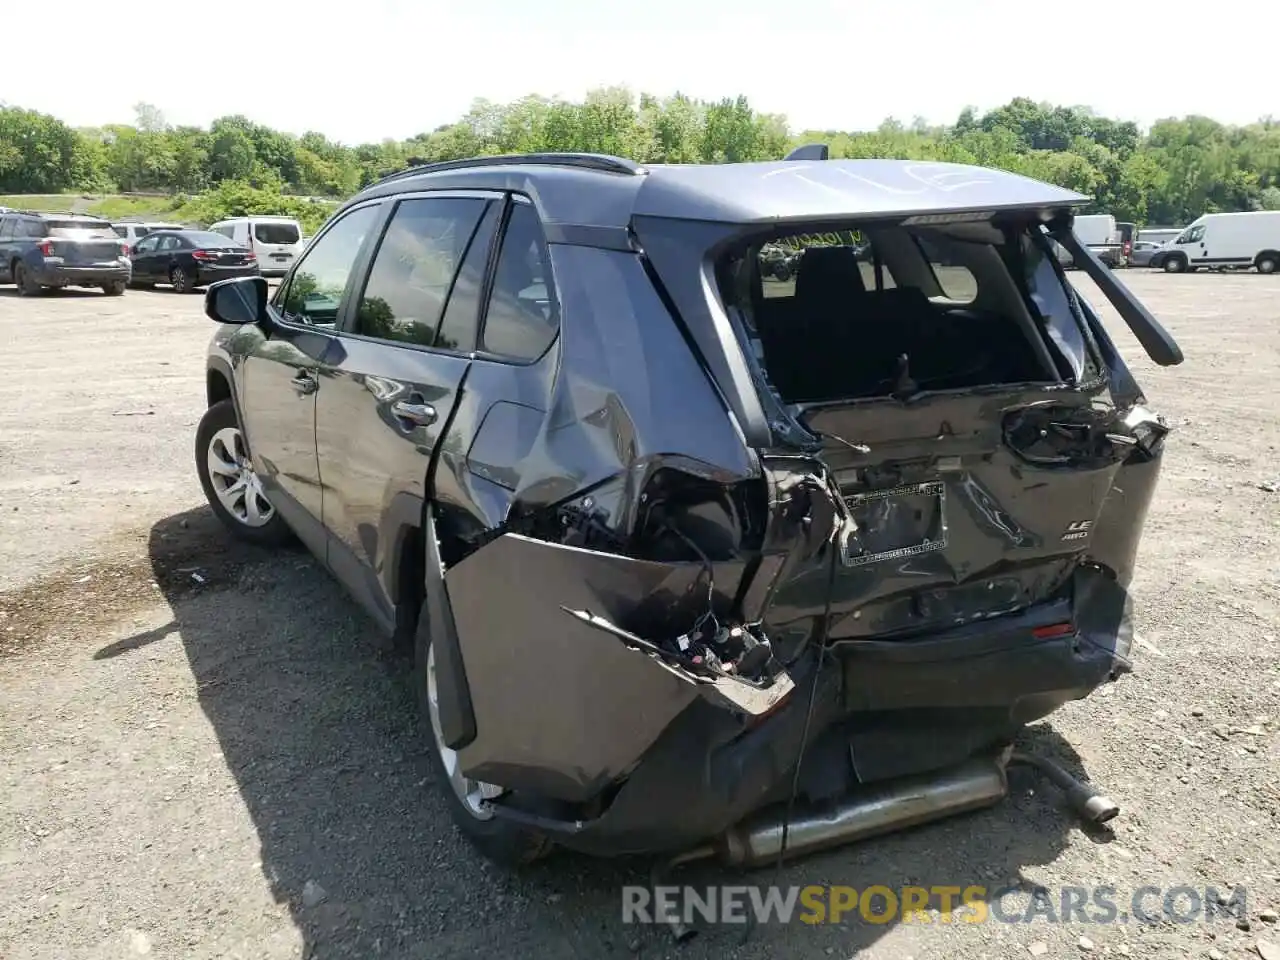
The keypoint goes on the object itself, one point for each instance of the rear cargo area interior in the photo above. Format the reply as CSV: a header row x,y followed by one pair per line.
x,y
887,312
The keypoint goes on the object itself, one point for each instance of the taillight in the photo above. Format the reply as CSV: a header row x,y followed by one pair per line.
x,y
124,249
204,255
251,256
45,247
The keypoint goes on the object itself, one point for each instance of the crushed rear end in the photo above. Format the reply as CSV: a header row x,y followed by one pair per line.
x,y
880,514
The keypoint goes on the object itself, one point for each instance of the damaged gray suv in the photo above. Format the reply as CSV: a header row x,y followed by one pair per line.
x,y
693,553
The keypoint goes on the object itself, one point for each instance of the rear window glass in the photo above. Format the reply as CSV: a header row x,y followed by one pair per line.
x,y
79,230
276,233
891,311
210,239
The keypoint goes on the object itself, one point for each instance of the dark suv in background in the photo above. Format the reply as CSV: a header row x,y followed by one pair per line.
x,y
660,522
42,250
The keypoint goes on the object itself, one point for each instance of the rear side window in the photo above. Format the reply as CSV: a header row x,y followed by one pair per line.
x,y
122,232
284,233
313,293
954,279
461,321
6,227
414,268
523,316
29,228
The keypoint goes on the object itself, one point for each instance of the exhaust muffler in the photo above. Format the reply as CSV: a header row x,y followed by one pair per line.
x,y
869,811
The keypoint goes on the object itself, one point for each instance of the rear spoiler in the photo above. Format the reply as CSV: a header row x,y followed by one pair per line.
x,y
810,151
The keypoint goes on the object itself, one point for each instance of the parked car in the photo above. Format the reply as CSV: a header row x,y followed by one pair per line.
x,y
43,250
131,232
1143,250
189,259
276,241
655,537
1225,241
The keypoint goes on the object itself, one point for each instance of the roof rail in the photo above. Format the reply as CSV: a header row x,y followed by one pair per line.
x,y
810,151
599,162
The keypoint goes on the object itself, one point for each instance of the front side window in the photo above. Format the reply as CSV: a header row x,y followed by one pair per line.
x,y
1193,235
147,245
414,268
313,293
523,317
6,227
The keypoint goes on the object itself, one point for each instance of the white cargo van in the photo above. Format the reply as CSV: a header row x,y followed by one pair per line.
x,y
276,240
1232,241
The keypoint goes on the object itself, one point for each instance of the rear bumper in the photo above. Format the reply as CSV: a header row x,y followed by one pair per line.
x,y
208,275
62,275
881,710
270,268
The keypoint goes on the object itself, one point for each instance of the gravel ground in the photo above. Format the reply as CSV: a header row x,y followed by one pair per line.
x,y
206,757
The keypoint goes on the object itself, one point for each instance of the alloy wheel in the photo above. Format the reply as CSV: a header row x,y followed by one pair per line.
x,y
234,480
473,793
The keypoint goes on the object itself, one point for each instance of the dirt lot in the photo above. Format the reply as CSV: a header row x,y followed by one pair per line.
x,y
205,757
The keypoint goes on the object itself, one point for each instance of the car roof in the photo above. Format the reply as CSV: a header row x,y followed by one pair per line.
x,y
609,191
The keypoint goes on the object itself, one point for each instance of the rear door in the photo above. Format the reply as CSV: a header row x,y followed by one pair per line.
x,y
275,242
390,393
83,243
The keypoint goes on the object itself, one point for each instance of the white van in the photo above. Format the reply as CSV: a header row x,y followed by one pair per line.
x,y
276,240
1232,241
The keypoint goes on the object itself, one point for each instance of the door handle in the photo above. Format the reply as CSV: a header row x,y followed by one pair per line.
x,y
304,383
419,414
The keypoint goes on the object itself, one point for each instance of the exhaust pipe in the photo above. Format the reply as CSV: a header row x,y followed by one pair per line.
x,y
868,811
1088,803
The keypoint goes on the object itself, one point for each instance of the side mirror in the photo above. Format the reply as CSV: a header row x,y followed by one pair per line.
x,y
238,300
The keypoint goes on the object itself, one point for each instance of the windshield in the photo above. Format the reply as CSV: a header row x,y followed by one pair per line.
x,y
886,310
80,230
284,233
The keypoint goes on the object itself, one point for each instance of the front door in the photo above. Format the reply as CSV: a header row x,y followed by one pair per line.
x,y
388,398
280,380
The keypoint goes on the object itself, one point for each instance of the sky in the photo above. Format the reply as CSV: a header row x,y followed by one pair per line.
x,y
378,69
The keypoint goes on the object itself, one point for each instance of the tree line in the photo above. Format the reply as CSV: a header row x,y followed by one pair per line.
x,y
1170,174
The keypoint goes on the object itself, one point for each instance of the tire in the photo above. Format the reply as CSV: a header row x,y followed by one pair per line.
x,y
1175,265
218,438
27,287
181,280
505,843
114,289
1268,263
